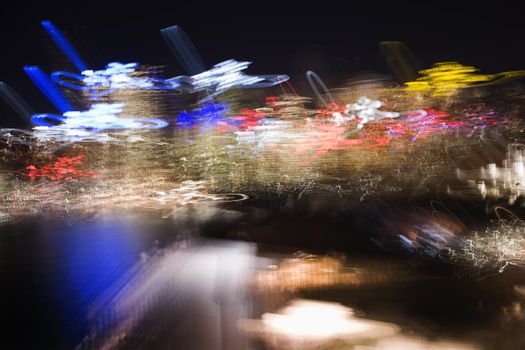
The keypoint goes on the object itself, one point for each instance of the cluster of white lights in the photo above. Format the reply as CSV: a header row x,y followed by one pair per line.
x,y
116,76
78,125
507,181
367,110
227,75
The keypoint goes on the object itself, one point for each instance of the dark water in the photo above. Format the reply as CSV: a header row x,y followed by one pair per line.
x,y
143,282
52,271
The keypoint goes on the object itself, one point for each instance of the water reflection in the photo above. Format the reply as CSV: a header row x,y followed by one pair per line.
x,y
142,283
95,259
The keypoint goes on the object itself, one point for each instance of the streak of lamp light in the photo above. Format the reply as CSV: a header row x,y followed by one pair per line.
x,y
64,45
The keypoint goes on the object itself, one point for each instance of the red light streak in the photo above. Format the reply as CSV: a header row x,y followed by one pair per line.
x,y
63,168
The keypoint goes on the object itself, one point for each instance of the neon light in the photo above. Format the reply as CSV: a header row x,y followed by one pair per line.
x,y
209,114
115,73
214,115
321,135
222,77
445,78
115,76
64,45
42,119
49,89
364,111
78,125
421,123
227,75
331,110
367,110
103,116
63,169
248,118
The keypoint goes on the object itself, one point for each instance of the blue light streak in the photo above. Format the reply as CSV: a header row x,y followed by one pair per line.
x,y
206,116
49,89
42,119
64,45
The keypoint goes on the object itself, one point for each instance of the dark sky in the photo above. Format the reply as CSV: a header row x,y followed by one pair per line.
x,y
279,37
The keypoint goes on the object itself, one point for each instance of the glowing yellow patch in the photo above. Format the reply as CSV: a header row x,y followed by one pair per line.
x,y
445,78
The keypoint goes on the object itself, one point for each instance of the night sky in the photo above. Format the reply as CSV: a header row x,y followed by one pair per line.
x,y
334,39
